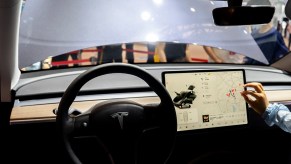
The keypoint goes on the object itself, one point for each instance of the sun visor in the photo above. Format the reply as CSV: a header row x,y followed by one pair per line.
x,y
54,27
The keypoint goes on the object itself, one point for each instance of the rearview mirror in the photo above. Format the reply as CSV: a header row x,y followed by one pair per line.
x,y
242,15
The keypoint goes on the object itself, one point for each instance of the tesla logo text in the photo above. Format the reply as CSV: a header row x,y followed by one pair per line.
x,y
120,116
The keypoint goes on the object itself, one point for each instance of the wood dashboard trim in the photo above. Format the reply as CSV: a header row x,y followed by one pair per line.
x,y
45,112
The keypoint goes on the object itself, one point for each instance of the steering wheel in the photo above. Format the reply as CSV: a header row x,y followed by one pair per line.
x,y
126,130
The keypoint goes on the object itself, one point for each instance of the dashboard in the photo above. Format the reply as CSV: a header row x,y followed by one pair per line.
x,y
38,95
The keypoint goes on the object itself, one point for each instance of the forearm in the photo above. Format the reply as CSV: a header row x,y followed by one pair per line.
x,y
279,115
162,56
212,54
161,52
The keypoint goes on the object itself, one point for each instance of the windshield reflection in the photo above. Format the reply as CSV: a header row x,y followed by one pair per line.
x,y
273,42
160,52
270,40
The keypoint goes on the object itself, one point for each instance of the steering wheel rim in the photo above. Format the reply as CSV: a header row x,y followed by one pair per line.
x,y
62,119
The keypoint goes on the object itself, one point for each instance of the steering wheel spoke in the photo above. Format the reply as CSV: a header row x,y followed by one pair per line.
x,y
82,126
152,116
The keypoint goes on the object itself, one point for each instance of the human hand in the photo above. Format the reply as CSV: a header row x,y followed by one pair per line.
x,y
257,98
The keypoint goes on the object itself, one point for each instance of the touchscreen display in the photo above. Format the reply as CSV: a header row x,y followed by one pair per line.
x,y
207,99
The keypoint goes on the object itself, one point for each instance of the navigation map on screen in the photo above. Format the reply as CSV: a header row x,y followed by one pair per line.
x,y
207,99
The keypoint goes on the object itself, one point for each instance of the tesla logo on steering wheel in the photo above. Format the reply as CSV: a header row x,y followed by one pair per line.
x,y
120,116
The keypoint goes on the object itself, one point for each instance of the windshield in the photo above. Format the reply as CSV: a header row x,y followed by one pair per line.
x,y
189,37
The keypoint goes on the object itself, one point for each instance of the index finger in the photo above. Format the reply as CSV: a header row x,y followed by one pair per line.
x,y
257,86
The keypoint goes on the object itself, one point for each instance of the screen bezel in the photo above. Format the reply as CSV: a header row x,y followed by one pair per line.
x,y
212,129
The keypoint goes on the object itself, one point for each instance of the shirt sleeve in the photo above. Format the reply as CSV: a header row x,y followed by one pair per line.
x,y
279,115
